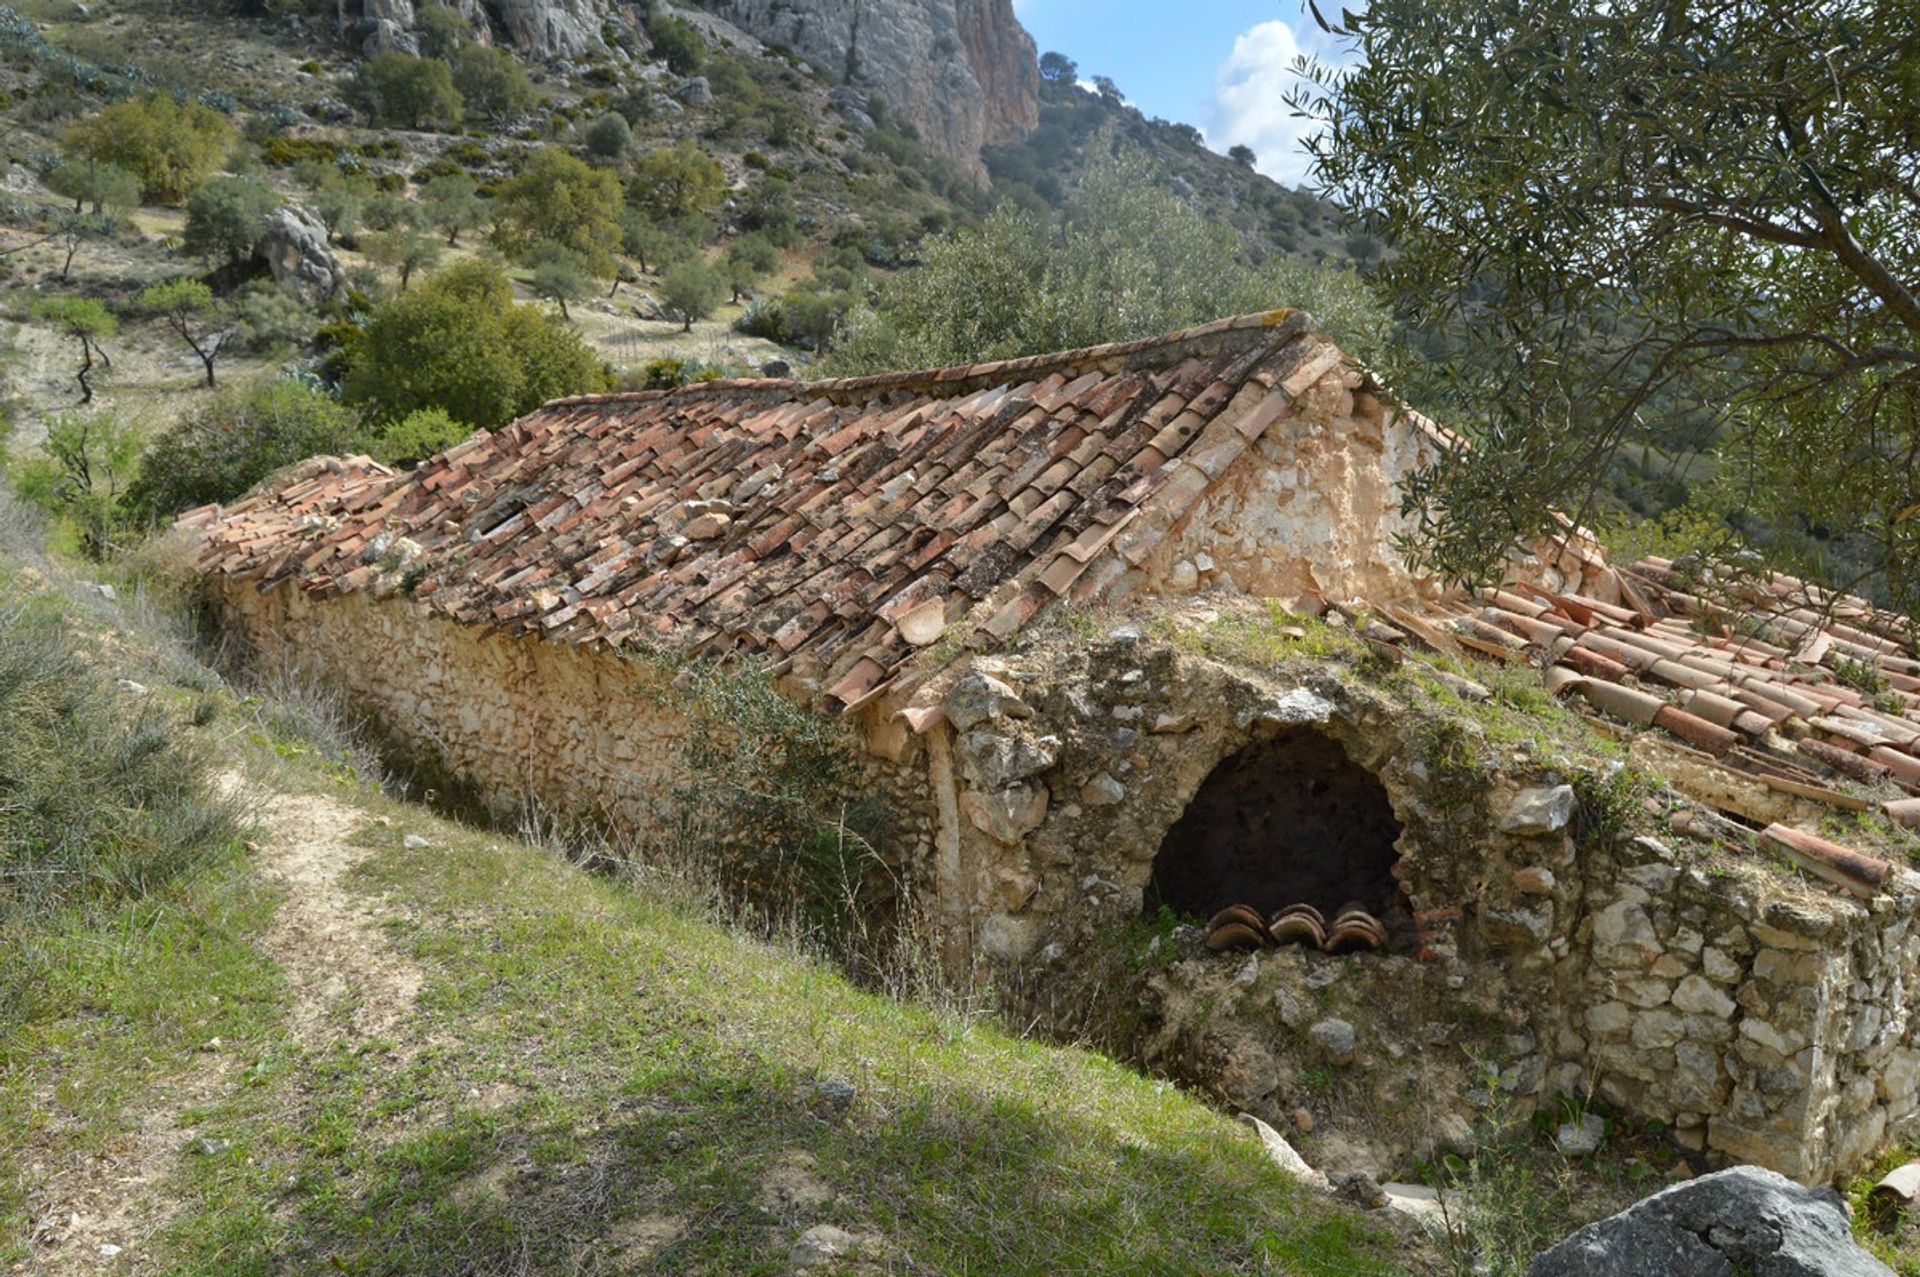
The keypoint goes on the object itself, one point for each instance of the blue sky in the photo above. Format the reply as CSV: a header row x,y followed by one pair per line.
x,y
1220,65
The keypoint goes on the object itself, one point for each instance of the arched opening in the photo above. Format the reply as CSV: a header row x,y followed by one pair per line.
x,y
1286,821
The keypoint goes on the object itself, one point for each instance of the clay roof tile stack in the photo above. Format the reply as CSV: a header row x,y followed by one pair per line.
x,y
1791,687
846,522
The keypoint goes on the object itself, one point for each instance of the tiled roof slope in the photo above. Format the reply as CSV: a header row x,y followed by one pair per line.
x,y
846,521
1793,688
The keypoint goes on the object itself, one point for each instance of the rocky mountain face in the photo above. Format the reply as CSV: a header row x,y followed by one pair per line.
x,y
962,72
537,28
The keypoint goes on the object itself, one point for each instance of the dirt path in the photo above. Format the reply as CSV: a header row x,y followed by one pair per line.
x,y
347,985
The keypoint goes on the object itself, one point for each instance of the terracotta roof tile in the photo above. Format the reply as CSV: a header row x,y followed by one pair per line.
x,y
846,504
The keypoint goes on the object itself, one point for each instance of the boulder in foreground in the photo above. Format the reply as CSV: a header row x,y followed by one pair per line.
x,y
1745,1221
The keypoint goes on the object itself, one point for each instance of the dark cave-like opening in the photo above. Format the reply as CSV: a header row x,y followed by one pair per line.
x,y
1285,821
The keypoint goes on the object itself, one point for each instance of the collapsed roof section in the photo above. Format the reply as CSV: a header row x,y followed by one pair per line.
x,y
843,524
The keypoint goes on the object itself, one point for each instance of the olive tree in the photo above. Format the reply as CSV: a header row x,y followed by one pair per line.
x,y
1639,224
188,307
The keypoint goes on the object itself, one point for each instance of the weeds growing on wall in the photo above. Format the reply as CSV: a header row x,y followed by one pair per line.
x,y
1504,1200
771,800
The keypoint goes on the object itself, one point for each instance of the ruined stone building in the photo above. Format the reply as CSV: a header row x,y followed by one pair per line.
x,y
1126,642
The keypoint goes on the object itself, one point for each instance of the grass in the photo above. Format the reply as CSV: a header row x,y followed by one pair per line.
x,y
664,1069
1893,1237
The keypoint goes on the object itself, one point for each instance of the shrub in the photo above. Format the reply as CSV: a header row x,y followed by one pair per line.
x,y
87,464
266,317
678,44
224,218
419,435
227,444
608,138
399,91
494,85
290,152
170,147
101,799
461,344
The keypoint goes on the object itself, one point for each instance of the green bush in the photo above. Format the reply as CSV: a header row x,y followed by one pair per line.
x,y
170,146
101,797
678,44
224,218
608,138
230,442
286,152
398,91
419,435
82,476
460,343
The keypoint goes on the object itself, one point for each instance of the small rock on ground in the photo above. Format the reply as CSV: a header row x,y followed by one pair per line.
x,y
821,1244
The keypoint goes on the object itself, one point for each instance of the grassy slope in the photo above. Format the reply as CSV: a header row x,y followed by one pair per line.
x,y
588,1080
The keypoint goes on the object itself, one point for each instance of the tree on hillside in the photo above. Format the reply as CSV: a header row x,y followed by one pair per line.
x,y
188,307
171,147
1058,68
559,274
452,202
461,344
111,190
405,248
1243,155
493,83
1620,221
398,91
560,199
442,31
691,290
86,321
87,462
750,258
224,218
654,246
76,229
677,182
1127,259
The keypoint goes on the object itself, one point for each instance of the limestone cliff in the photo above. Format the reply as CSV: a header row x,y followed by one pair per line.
x,y
538,28
962,72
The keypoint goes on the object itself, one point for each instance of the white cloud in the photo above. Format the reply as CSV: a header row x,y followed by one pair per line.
x,y
1249,105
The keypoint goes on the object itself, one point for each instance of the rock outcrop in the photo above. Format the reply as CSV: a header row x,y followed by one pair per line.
x,y
294,243
962,72
1741,1221
537,28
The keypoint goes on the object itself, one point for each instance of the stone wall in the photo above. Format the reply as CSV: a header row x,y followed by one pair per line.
x,y
585,731
1759,1018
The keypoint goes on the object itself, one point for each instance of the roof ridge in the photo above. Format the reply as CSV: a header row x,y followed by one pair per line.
x,y
1276,326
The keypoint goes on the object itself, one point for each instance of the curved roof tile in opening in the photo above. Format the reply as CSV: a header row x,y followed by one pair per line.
x,y
845,520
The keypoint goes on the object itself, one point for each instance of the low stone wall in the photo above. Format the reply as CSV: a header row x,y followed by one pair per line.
x,y
587,732
1768,1026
